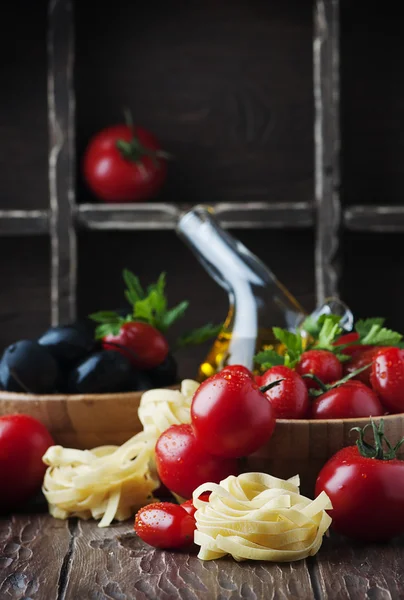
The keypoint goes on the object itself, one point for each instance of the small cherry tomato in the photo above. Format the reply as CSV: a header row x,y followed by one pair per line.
x,y
23,442
165,525
387,378
183,464
349,338
230,415
350,400
359,360
366,490
124,164
325,365
141,343
289,399
188,505
237,369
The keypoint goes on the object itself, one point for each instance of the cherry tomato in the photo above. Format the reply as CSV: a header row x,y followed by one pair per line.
x,y
325,365
141,343
165,525
350,400
237,369
348,338
133,172
183,463
289,399
188,505
230,415
387,378
367,495
23,442
359,360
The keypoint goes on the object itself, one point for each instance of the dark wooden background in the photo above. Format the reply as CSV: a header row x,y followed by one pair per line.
x,y
227,87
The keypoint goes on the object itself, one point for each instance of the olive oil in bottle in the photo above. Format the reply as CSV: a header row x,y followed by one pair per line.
x,y
257,300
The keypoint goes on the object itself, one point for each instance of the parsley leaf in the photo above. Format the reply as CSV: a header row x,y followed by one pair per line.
x,y
313,326
372,332
269,358
172,315
198,336
135,291
329,332
293,343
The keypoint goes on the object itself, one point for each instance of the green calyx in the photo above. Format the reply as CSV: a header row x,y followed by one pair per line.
x,y
134,150
150,306
378,450
324,387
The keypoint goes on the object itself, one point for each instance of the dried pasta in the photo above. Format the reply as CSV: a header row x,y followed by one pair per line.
x,y
259,517
113,482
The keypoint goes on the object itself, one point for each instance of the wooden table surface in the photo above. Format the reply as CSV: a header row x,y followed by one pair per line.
x,y
42,558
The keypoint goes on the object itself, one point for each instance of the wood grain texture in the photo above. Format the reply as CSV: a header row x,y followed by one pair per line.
x,y
116,564
372,95
226,86
32,554
347,570
327,145
61,105
25,294
23,109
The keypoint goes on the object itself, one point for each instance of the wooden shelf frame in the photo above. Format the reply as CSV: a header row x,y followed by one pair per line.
x,y
65,217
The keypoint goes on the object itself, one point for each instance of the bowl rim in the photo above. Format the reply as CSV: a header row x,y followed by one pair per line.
x,y
19,396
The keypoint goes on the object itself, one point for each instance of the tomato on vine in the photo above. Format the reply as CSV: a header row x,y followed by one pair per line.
x,y
365,484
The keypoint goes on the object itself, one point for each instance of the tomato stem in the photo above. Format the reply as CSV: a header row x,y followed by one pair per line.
x,y
326,387
271,385
377,451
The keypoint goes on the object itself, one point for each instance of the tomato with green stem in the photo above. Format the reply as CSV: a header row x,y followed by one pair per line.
x,y
322,363
231,416
365,484
124,163
289,399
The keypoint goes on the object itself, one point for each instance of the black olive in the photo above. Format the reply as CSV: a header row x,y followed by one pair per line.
x,y
101,373
28,367
164,374
68,344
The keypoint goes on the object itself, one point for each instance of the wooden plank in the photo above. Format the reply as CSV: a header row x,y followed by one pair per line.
x,y
327,145
33,554
115,563
24,222
348,570
375,218
156,216
61,106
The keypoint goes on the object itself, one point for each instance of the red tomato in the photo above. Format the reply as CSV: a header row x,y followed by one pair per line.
x,y
141,343
23,442
165,525
325,365
188,505
133,172
387,378
237,369
289,399
183,463
359,360
348,338
367,495
350,400
231,417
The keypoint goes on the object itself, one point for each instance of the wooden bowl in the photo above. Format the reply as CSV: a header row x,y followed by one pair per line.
x,y
80,421
297,446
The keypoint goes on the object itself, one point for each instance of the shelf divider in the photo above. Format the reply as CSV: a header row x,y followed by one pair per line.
x,y
61,109
327,146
